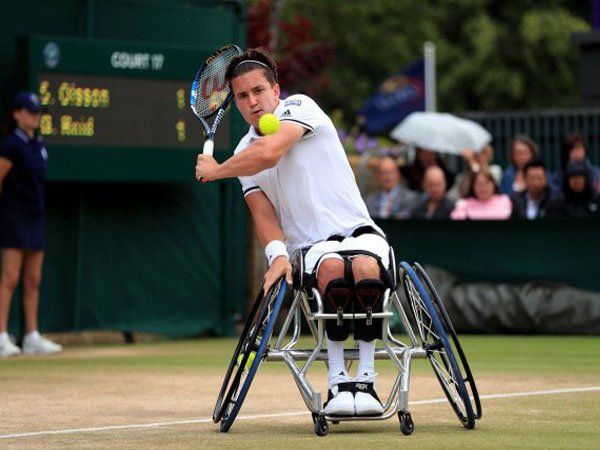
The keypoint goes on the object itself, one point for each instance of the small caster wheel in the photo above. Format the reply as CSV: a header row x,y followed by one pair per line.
x,y
321,426
407,426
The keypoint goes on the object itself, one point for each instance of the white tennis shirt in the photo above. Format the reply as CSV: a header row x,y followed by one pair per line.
x,y
312,188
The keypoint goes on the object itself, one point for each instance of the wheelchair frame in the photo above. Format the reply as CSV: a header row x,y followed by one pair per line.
x,y
431,341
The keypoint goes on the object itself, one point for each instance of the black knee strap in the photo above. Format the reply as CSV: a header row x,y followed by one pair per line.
x,y
368,299
338,300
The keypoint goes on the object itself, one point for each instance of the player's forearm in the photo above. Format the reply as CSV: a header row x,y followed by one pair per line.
x,y
254,159
265,219
268,235
262,154
267,228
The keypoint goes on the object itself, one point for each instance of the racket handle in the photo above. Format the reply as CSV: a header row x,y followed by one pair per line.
x,y
209,147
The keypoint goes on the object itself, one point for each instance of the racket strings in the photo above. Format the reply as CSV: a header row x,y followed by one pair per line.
x,y
210,89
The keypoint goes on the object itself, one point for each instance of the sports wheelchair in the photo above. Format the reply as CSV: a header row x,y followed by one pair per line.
x,y
429,335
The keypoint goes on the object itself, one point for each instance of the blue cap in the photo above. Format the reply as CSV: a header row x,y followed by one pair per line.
x,y
28,101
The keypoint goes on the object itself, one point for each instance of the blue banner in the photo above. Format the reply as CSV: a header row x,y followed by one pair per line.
x,y
395,98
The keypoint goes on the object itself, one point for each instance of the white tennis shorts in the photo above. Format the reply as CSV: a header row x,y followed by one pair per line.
x,y
323,250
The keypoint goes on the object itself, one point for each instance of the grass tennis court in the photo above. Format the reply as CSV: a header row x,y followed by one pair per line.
x,y
537,392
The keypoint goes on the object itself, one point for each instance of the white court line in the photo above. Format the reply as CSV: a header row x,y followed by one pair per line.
x,y
278,415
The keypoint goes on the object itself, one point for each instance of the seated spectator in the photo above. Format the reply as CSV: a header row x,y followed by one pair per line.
x,y
574,149
581,200
415,172
473,163
522,150
484,201
435,205
393,200
538,200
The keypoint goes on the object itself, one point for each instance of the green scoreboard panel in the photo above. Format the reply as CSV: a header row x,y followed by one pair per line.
x,y
117,110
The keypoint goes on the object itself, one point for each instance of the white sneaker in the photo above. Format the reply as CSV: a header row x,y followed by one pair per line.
x,y
366,401
340,401
7,348
40,346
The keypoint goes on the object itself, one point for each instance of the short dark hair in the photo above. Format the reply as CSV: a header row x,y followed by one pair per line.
x,y
257,58
534,163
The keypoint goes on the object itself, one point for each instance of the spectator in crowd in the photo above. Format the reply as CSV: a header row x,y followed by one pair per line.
x,y
484,201
435,205
393,200
522,150
22,172
473,163
581,200
574,149
415,172
538,200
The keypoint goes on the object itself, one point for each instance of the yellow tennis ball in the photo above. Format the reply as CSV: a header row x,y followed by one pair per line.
x,y
268,124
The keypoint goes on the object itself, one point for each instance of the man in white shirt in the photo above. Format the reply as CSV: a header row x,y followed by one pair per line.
x,y
302,194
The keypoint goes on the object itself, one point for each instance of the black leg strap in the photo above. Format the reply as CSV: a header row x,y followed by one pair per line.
x,y
368,300
338,300
367,388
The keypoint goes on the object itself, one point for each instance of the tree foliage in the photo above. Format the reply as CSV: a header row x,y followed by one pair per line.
x,y
491,54
301,57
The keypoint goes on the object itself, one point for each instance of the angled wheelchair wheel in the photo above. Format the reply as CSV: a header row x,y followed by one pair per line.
x,y
240,358
463,364
435,342
248,355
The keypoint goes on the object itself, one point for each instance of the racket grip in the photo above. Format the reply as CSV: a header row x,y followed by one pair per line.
x,y
209,147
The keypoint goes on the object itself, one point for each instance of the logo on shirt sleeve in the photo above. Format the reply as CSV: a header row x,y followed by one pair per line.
x,y
293,102
286,113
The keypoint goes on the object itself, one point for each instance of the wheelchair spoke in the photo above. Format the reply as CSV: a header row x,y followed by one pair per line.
x,y
435,342
450,381
423,318
254,344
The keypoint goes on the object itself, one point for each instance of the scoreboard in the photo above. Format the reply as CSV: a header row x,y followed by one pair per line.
x,y
118,111
91,110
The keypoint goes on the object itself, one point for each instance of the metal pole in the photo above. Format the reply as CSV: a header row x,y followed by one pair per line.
x,y
90,19
430,83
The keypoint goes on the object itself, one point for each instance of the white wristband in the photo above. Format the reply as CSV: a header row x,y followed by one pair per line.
x,y
275,249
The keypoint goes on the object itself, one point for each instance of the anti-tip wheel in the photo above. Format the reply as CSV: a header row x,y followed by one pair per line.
x,y
321,425
407,426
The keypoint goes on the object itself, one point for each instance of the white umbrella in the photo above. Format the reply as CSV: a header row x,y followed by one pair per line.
x,y
441,132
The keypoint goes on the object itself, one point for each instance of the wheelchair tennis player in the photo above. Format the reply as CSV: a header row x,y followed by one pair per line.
x,y
302,194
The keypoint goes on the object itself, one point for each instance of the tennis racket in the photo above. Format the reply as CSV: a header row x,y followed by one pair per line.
x,y
210,94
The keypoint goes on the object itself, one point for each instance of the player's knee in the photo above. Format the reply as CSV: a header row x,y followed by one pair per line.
x,y
330,268
338,300
368,300
365,267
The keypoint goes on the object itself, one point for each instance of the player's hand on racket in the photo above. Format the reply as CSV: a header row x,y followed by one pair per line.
x,y
279,267
206,168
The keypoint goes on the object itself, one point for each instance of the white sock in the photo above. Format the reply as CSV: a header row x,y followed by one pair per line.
x,y
4,337
366,357
32,335
335,357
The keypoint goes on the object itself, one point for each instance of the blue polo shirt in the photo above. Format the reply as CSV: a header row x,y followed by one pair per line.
x,y
23,186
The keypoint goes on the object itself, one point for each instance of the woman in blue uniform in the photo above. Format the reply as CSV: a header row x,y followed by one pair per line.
x,y
22,172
